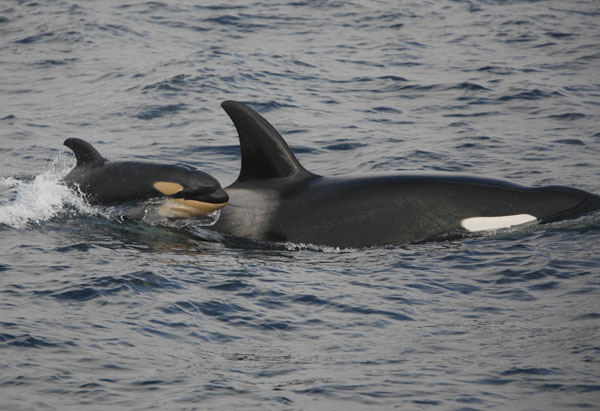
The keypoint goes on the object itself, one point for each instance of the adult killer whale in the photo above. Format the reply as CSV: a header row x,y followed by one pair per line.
x,y
189,192
275,199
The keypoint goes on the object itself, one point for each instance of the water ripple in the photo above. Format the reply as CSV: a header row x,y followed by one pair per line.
x,y
152,112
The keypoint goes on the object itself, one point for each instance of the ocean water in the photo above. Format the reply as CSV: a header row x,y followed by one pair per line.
x,y
100,312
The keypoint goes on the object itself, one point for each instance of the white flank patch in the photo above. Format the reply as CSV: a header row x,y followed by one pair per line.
x,y
494,223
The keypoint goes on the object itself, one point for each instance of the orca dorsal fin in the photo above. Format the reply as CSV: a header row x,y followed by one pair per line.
x,y
265,155
85,153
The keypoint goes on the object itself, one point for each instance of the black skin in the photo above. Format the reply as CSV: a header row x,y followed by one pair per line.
x,y
276,199
104,181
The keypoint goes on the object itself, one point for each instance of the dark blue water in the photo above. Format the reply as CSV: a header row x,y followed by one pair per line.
x,y
97,312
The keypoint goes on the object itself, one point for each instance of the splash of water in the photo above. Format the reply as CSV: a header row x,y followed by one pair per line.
x,y
25,202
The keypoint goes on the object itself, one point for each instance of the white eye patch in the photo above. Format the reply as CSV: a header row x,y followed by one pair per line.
x,y
494,223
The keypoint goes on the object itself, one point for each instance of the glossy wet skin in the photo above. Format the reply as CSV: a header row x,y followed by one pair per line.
x,y
191,191
378,210
276,199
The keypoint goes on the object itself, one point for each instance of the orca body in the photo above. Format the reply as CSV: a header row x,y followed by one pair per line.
x,y
275,199
190,191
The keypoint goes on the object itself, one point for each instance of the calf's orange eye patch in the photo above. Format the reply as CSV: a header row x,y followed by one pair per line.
x,y
168,188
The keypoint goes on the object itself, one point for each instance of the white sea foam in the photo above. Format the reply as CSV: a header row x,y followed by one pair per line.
x,y
26,202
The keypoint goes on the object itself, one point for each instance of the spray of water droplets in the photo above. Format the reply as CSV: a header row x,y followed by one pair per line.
x,y
30,201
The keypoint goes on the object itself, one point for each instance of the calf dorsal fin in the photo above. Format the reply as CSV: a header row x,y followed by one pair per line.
x,y
85,153
265,155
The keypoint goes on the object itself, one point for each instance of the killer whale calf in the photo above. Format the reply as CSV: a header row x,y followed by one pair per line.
x,y
189,192
276,199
